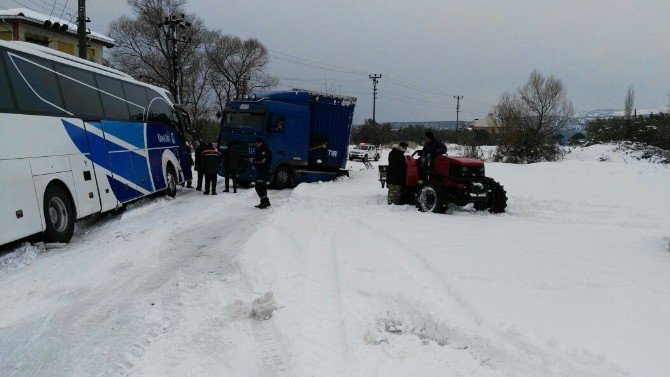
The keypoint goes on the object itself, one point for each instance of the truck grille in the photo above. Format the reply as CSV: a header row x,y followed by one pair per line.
x,y
242,149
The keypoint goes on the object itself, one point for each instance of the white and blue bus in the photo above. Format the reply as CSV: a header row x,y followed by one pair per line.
x,y
78,138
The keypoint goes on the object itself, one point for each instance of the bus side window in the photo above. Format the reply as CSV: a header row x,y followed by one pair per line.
x,y
6,98
79,92
113,99
35,85
137,100
159,109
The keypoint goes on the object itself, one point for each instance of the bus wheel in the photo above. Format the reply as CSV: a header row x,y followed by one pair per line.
x,y
284,177
171,182
58,214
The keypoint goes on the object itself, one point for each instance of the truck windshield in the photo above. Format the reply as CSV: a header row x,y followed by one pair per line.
x,y
247,120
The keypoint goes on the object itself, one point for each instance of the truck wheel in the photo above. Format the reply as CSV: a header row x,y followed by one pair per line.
x,y
432,198
59,214
283,177
170,182
496,198
377,157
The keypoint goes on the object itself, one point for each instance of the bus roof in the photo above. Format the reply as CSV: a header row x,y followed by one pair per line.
x,y
61,57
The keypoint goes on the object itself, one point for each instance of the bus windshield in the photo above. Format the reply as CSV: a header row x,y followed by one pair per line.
x,y
247,120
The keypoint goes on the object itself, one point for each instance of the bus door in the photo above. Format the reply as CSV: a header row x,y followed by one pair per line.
x,y
124,142
102,171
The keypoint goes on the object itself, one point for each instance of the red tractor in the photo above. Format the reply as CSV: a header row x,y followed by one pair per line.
x,y
457,180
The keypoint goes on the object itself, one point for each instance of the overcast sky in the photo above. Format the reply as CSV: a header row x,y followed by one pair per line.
x,y
474,48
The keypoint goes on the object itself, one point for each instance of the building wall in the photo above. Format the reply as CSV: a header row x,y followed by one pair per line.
x,y
58,41
489,124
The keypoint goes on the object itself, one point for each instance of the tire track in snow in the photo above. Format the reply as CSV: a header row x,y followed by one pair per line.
x,y
323,320
106,328
495,349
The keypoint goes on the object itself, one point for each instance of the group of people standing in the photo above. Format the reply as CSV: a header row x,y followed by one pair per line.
x,y
208,159
396,172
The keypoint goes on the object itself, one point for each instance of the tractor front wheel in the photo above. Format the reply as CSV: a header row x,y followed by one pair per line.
x,y
432,198
496,197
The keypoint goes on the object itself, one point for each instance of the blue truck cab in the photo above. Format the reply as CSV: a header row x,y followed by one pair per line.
x,y
308,133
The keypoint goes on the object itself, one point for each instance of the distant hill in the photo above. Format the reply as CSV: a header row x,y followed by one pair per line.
x,y
438,124
579,121
577,124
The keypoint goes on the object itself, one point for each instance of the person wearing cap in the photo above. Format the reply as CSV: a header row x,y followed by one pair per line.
x,y
396,173
261,160
210,160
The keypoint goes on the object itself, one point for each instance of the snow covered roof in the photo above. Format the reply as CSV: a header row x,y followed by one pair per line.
x,y
30,16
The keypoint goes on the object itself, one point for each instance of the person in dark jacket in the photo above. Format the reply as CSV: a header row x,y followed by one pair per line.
x,y
231,162
433,147
189,160
396,173
211,158
197,164
261,160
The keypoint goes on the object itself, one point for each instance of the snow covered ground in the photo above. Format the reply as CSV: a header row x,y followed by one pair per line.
x,y
572,281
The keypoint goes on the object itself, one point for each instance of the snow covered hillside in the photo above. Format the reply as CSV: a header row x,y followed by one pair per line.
x,y
574,280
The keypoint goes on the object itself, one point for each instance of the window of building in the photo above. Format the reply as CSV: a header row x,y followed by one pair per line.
x,y
37,39
35,84
137,100
113,98
79,92
65,47
90,54
5,35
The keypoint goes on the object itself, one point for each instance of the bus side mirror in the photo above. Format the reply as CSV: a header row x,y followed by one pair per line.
x,y
186,121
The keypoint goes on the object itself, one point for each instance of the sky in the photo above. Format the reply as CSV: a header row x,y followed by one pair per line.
x,y
428,51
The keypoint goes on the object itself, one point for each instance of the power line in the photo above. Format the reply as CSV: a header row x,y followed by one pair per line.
x,y
314,64
334,67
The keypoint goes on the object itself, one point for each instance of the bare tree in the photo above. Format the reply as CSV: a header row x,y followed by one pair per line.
x,y
531,117
144,50
213,68
241,63
630,102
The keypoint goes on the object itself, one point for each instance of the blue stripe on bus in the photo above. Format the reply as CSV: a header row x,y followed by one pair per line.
x,y
122,162
78,136
156,164
130,132
141,170
122,192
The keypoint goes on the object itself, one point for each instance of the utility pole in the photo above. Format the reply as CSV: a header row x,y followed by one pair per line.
x,y
374,79
81,28
174,24
458,109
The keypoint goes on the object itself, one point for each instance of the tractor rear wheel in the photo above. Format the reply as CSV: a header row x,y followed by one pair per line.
x,y
496,197
432,198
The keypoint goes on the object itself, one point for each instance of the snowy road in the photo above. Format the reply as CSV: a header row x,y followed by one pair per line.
x,y
573,280
97,306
